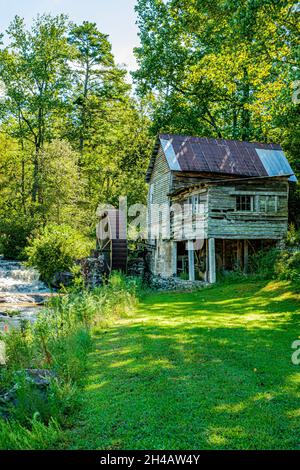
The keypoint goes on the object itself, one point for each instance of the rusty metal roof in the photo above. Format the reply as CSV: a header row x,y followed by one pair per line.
x,y
220,156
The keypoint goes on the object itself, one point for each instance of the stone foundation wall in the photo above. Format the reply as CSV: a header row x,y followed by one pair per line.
x,y
93,270
136,267
162,262
175,284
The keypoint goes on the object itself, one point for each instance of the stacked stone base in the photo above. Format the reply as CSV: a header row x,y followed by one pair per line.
x,y
94,270
175,284
136,267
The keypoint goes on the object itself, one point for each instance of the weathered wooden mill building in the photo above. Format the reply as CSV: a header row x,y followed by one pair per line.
x,y
212,202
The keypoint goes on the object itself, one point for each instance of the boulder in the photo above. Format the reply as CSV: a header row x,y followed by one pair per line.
x,y
62,278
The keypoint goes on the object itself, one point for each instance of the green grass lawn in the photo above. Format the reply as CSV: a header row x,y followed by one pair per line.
x,y
207,370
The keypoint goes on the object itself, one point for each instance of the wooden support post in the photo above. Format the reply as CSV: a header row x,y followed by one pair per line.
x,y
206,261
174,258
224,255
191,260
246,256
239,254
212,277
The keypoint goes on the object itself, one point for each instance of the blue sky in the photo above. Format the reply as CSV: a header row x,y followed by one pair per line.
x,y
114,17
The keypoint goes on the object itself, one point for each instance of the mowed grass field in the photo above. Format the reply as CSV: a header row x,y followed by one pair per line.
x,y
204,370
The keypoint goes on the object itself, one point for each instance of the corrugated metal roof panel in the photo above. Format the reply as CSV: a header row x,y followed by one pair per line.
x,y
170,155
275,163
220,156
214,155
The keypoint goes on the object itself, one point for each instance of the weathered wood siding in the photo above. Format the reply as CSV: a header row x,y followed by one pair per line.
x,y
197,222
158,199
161,179
180,182
219,216
224,221
185,181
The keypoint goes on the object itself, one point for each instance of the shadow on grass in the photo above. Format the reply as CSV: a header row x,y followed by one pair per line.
x,y
208,370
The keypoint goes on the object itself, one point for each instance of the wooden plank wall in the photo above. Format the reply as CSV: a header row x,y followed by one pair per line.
x,y
160,185
201,219
226,222
220,219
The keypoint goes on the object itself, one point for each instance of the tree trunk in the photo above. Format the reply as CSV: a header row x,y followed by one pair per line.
x,y
246,118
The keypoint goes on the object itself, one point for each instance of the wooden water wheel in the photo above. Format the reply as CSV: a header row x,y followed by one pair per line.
x,y
112,240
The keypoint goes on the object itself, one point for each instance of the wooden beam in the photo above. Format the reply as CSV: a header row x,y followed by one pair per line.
x,y
224,254
246,256
206,262
239,254
174,258
212,276
191,260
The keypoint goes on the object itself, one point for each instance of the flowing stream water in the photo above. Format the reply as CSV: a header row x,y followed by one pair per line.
x,y
21,293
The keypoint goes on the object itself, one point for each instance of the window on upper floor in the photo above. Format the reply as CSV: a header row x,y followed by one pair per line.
x,y
197,202
245,203
268,204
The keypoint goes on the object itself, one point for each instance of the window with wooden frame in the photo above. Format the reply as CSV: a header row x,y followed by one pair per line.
x,y
245,203
268,204
197,202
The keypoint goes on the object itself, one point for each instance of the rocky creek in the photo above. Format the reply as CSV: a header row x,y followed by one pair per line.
x,y
21,293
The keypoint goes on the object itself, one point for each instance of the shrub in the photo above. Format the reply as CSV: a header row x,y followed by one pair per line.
x,y
57,402
262,263
56,249
13,237
288,266
184,276
276,264
293,237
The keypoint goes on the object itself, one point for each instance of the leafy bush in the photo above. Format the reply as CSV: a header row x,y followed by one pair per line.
x,y
56,249
288,266
56,403
13,237
262,264
293,237
276,264
237,275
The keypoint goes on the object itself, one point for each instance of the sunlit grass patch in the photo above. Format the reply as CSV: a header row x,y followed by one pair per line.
x,y
203,370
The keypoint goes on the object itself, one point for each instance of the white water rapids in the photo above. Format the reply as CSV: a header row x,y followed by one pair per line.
x,y
21,293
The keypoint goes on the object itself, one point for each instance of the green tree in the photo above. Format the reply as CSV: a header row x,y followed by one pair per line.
x,y
60,184
215,68
107,126
93,61
35,70
71,133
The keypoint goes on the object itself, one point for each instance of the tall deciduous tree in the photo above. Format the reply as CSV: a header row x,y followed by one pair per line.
x,y
93,60
35,70
106,125
216,68
60,183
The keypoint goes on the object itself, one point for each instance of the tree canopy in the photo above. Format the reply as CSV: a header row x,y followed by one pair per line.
x,y
219,68
71,133
74,133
